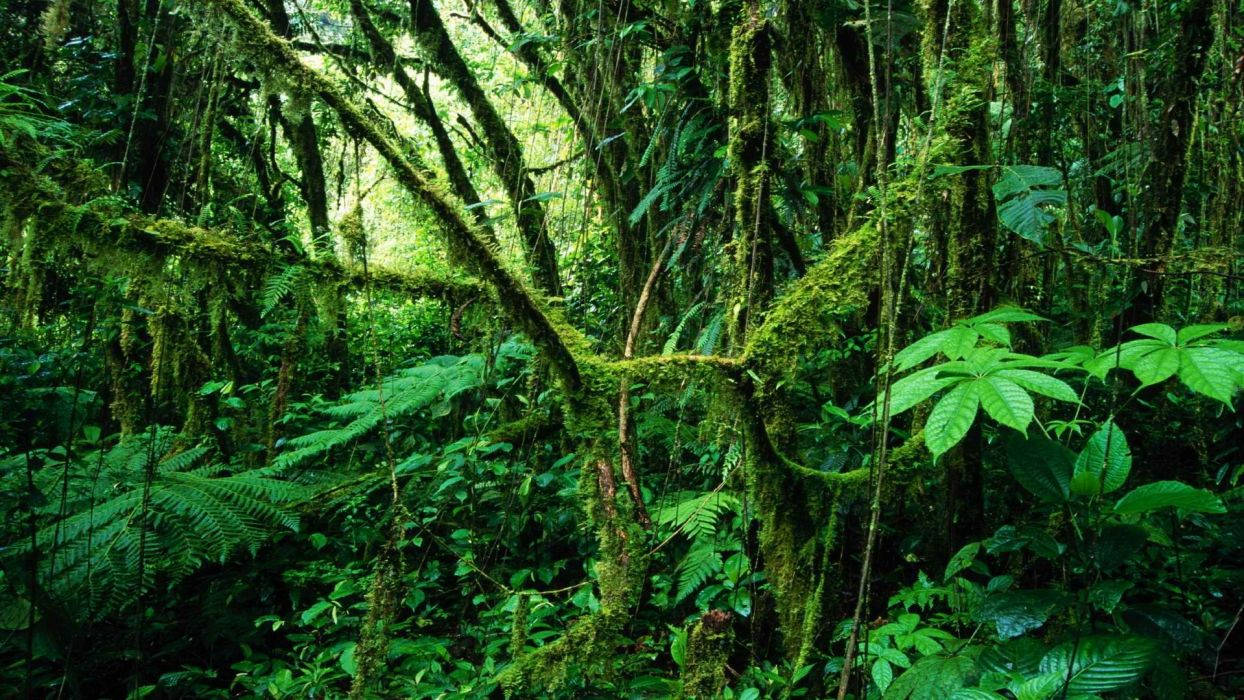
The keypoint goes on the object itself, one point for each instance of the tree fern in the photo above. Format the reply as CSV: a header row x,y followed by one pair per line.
x,y
194,511
430,385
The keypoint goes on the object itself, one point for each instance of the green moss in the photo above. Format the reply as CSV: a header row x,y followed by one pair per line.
x,y
588,645
382,602
704,662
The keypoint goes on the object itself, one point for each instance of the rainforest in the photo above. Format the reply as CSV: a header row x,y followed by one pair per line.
x,y
869,349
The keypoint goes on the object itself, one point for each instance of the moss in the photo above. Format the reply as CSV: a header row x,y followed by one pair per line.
x,y
518,625
589,643
704,663
383,597
750,150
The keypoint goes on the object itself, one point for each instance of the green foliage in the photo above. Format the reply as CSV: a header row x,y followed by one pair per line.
x,y
141,510
432,385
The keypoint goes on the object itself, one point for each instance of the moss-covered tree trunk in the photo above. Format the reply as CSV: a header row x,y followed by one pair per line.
x,y
505,152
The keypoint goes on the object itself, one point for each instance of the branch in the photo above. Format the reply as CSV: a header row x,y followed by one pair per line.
x,y
272,54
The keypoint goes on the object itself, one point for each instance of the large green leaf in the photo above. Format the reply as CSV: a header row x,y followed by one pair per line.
x,y
1104,463
1187,334
1167,494
932,678
1161,331
1022,655
1099,664
917,387
1005,401
1024,192
951,418
1015,612
1211,371
1157,366
959,341
1041,465
1039,383
921,350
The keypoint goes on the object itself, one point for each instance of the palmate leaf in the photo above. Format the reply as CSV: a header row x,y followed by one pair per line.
x,y
1211,371
916,387
1039,383
1157,366
921,350
1099,664
1104,463
1213,368
951,418
1005,401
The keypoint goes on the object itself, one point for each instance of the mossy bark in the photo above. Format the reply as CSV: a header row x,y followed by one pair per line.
x,y
506,154
750,149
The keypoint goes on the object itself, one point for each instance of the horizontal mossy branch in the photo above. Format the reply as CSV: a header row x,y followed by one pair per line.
x,y
102,227
274,56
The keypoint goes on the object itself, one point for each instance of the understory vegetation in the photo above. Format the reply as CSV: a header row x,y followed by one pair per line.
x,y
738,349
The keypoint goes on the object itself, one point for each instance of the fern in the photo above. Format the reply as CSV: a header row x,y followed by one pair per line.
x,y
671,343
431,385
697,514
287,280
115,542
707,341
702,561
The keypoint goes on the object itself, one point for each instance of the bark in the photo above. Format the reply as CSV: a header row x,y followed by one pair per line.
x,y
506,154
421,105
1163,187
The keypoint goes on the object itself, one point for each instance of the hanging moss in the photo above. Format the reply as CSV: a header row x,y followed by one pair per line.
x,y
518,624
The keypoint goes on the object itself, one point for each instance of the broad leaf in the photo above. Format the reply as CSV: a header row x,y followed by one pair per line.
x,y
1168,494
1211,371
932,678
1004,314
1023,192
959,341
962,559
1161,331
1015,612
1104,463
1041,465
1157,366
917,387
1005,401
921,350
1039,383
1188,334
951,418
1022,655
1099,664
